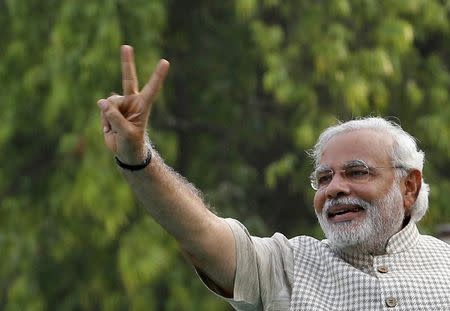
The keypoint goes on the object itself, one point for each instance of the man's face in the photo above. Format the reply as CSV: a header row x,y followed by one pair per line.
x,y
366,214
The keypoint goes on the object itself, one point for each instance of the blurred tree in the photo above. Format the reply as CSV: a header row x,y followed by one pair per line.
x,y
251,86
72,236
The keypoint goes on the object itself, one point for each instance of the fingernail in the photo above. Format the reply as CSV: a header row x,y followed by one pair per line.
x,y
106,129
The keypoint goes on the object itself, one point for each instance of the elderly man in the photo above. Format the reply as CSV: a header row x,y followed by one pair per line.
x,y
369,195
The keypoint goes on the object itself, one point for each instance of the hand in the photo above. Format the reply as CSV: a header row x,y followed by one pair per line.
x,y
124,118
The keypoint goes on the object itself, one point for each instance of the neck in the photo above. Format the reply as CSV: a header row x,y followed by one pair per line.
x,y
373,249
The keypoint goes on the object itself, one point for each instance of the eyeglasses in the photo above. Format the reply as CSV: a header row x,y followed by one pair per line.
x,y
356,171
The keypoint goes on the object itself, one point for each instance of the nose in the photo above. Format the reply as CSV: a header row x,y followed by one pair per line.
x,y
338,186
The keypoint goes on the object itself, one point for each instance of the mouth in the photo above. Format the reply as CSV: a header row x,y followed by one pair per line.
x,y
340,213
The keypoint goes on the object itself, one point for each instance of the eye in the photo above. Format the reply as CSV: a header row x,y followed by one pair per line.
x,y
324,178
357,172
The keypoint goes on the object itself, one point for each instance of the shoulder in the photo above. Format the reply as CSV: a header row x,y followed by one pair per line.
x,y
277,243
433,244
264,270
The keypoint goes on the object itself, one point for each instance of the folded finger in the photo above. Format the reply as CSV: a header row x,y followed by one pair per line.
x,y
115,100
105,124
113,118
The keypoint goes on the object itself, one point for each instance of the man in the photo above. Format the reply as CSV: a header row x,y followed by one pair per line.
x,y
369,195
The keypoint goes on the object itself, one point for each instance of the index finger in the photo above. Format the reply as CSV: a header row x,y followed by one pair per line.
x,y
129,78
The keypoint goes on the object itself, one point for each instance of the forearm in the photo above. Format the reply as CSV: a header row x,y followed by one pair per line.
x,y
178,207
170,199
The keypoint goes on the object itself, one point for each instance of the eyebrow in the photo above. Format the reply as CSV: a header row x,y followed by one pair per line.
x,y
322,167
354,163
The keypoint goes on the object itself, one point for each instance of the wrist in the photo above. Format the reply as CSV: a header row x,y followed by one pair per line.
x,y
136,167
140,160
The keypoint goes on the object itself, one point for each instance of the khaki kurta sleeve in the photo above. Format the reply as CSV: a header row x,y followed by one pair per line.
x,y
264,271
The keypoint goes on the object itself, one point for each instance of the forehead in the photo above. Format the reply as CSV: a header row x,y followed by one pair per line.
x,y
368,145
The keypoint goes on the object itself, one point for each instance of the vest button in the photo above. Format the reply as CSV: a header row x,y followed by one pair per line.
x,y
382,269
391,302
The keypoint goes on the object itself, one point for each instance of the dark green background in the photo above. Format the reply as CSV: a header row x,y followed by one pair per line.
x,y
252,84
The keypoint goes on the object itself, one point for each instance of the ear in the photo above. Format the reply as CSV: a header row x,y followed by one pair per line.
x,y
412,184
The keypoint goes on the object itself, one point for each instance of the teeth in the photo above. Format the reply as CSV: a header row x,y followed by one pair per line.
x,y
355,209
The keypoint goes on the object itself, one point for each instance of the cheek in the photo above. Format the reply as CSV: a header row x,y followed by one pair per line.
x,y
319,201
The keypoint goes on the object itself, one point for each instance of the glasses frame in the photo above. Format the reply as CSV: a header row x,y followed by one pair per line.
x,y
315,184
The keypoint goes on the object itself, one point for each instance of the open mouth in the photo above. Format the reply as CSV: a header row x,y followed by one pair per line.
x,y
344,212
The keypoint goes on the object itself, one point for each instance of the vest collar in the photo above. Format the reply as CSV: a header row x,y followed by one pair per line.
x,y
403,240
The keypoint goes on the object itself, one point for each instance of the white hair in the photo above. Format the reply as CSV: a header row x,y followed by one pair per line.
x,y
404,152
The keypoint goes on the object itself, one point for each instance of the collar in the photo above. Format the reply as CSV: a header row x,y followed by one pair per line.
x,y
403,240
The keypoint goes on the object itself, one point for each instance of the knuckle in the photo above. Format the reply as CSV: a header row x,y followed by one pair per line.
x,y
115,99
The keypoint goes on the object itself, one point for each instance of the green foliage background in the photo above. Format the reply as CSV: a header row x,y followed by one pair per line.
x,y
252,84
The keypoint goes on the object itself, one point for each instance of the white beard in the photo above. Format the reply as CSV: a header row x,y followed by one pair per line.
x,y
384,218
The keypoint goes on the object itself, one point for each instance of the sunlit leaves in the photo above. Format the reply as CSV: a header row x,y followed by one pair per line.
x,y
304,136
395,34
145,256
245,8
356,94
279,169
341,8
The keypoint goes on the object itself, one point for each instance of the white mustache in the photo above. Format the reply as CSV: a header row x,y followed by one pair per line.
x,y
346,201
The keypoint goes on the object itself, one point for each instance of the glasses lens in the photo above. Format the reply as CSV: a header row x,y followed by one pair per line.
x,y
321,178
357,173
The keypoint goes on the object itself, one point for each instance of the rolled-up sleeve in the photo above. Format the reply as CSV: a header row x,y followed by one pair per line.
x,y
264,271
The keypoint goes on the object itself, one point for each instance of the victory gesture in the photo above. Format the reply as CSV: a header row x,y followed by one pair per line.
x,y
125,117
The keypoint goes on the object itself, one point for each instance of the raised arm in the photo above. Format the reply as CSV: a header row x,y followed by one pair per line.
x,y
174,203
